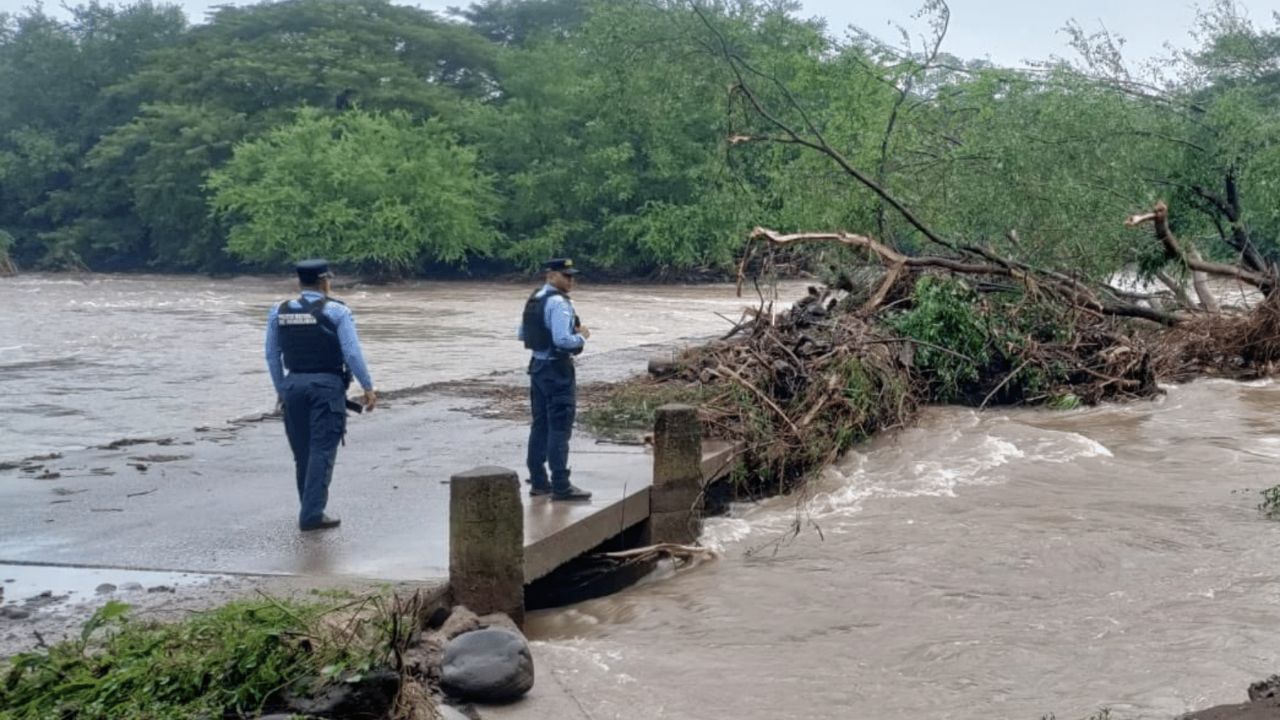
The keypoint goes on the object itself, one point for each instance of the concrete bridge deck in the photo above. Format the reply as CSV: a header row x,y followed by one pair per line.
x,y
223,501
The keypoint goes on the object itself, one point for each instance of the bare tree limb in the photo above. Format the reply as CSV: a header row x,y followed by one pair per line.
x,y
737,66
1160,218
904,91
1064,287
1175,287
1200,281
886,284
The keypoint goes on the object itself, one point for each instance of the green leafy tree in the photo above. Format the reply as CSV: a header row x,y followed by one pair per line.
x,y
609,138
517,22
54,74
378,190
138,195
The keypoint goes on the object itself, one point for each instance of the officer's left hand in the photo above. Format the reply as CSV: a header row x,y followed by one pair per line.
x,y
279,404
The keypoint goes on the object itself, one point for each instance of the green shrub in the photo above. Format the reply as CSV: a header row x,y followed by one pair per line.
x,y
231,660
954,343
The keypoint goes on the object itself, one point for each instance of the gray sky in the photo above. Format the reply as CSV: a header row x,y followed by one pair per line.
x,y
1006,31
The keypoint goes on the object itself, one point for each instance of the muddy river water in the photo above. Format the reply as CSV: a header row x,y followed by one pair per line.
x,y
1007,564
90,359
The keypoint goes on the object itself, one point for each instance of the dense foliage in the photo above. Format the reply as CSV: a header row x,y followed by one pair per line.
x,y
398,140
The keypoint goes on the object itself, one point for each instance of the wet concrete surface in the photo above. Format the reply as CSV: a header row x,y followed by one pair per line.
x,y
224,501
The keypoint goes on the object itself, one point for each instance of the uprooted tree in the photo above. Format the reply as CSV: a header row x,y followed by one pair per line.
x,y
922,315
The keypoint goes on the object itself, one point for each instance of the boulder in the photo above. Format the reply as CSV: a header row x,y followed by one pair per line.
x,y
460,621
492,665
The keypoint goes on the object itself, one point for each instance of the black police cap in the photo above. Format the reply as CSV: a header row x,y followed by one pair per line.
x,y
561,265
310,271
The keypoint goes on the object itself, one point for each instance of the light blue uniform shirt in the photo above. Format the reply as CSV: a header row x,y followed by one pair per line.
x,y
558,315
342,319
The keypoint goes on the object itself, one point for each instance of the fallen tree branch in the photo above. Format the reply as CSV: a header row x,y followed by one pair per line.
x,y
729,372
891,276
1175,287
659,548
684,553
1200,281
1160,217
1067,289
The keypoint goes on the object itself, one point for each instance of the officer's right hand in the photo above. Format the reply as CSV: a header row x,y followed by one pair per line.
x,y
370,400
584,332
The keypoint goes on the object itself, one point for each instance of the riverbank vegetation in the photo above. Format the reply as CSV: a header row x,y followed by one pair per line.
x,y
401,142
243,659
1086,288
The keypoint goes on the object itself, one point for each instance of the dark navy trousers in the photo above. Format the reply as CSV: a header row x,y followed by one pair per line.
x,y
553,397
315,418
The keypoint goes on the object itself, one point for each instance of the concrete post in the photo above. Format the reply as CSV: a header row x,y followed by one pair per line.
x,y
675,512
486,542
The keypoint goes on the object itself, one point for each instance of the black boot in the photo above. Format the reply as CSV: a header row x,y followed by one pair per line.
x,y
326,523
571,494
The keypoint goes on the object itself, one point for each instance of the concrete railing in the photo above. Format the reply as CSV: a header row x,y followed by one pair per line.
x,y
486,541
489,563
675,512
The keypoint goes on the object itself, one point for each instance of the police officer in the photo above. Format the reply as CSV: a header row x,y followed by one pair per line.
x,y
553,332
314,338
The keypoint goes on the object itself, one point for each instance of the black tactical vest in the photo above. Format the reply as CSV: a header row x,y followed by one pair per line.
x,y
308,339
537,336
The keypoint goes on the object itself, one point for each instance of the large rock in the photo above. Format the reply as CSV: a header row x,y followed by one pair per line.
x,y
459,622
492,665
